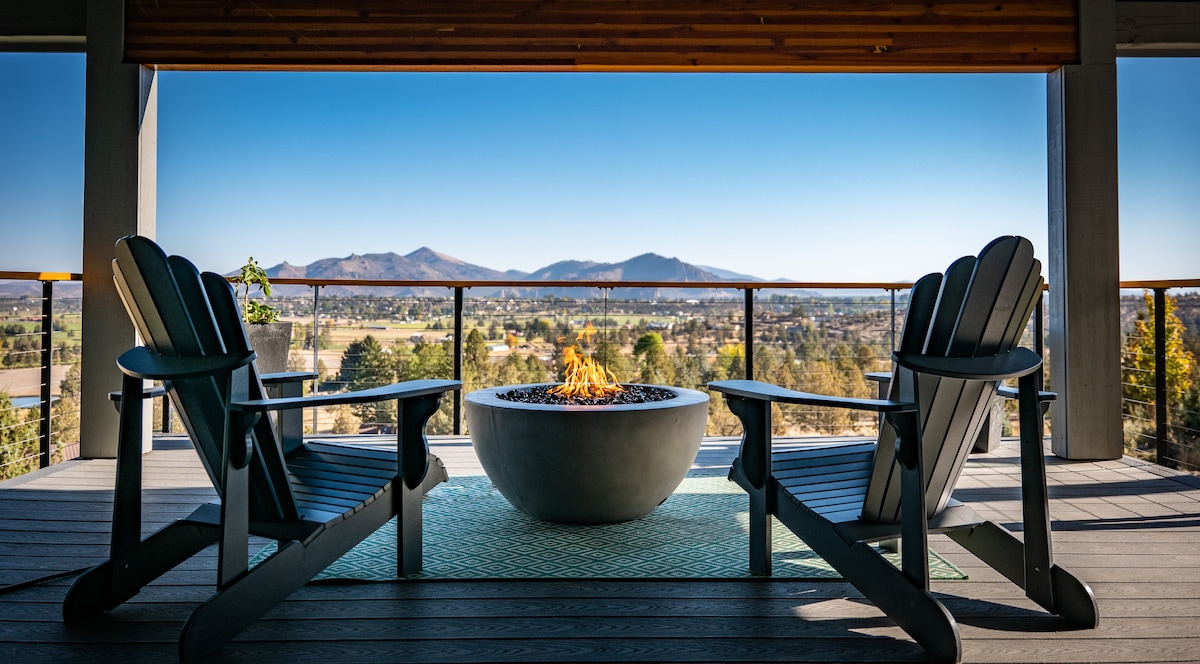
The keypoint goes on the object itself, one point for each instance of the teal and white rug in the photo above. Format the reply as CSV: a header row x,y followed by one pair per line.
x,y
472,532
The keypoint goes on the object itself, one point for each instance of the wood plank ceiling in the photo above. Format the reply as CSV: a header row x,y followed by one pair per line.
x,y
595,35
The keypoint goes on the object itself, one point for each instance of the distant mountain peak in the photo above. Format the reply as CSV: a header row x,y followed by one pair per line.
x,y
426,255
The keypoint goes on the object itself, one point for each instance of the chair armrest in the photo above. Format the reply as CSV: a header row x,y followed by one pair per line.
x,y
411,388
287,377
1009,364
753,389
878,376
141,362
1012,393
882,380
151,392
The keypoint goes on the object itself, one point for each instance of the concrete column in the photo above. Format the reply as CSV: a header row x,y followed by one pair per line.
x,y
120,148
1084,337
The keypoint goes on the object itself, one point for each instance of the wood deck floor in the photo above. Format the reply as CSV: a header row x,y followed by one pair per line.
x,y
1132,530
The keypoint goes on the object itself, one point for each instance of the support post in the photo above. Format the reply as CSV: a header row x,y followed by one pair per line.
x,y
120,147
1085,336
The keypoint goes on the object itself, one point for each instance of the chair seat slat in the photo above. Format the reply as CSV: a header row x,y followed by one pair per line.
x,y
816,452
336,465
318,456
338,481
863,467
349,450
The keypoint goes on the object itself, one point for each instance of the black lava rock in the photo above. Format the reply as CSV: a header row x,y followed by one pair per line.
x,y
632,394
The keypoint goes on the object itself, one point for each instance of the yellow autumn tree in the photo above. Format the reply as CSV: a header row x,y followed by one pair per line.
x,y
1138,370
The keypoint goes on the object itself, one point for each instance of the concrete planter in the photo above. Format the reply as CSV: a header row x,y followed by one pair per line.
x,y
271,341
586,464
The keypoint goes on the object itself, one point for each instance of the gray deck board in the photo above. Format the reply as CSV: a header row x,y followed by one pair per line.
x,y
1130,529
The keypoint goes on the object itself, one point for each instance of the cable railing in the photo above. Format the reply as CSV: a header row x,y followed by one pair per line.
x,y
492,333
816,336
1160,380
40,350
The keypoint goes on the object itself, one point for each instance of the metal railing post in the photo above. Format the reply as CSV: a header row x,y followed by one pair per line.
x,y
1039,327
47,372
458,358
749,343
1160,378
316,342
892,327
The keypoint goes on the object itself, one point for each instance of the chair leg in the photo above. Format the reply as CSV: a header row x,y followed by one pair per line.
x,y
752,470
911,607
760,533
1070,597
224,615
110,583
1073,599
408,530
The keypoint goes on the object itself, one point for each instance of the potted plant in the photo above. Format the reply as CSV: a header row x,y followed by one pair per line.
x,y
269,337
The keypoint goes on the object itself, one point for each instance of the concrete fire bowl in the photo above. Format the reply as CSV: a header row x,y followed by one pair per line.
x,y
586,464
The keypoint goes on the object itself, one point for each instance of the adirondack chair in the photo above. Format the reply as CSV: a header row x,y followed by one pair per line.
x,y
317,500
959,341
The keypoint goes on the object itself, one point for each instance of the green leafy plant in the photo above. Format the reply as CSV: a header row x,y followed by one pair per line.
x,y
254,313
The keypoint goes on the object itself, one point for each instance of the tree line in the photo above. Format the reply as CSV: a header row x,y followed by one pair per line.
x,y
813,364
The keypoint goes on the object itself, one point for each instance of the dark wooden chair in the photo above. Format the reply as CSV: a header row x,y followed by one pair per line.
x,y
317,500
959,341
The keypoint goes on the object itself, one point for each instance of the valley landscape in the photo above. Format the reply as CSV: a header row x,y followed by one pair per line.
x,y
685,335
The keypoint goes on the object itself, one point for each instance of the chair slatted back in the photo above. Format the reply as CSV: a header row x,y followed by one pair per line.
x,y
979,307
179,313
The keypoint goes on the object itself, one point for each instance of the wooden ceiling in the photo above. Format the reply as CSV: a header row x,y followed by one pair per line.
x,y
595,35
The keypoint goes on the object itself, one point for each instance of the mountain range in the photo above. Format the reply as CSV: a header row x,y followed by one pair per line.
x,y
425,264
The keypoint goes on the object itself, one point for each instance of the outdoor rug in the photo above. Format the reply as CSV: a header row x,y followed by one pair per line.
x,y
472,532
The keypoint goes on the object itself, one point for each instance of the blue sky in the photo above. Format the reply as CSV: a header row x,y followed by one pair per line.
x,y
806,177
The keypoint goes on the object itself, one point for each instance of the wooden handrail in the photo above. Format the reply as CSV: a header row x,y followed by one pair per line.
x,y
41,276
1162,283
519,283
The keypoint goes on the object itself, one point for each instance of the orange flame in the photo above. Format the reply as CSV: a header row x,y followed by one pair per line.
x,y
586,378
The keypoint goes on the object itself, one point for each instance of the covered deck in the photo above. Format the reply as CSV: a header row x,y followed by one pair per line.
x,y
1130,528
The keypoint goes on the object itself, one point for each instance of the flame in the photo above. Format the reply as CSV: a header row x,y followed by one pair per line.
x,y
586,378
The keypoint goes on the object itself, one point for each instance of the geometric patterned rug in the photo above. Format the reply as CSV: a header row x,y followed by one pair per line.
x,y
472,532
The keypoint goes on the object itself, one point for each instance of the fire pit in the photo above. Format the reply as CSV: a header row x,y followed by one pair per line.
x,y
586,463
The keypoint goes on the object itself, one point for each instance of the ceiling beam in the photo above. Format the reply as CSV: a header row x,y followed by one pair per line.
x,y
1158,29
602,35
44,25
